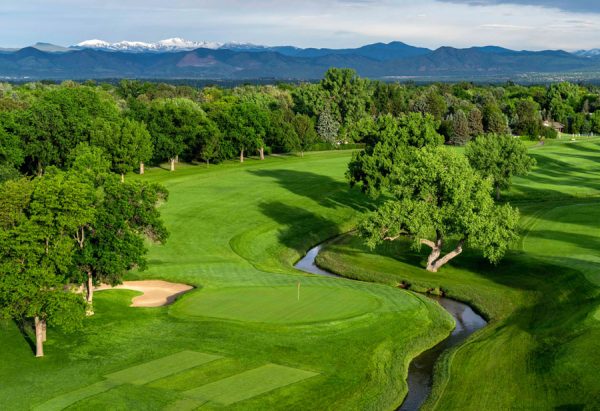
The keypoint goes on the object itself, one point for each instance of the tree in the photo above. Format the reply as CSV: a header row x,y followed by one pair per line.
x,y
11,155
475,122
126,143
172,123
494,121
347,94
38,219
385,142
460,129
124,215
328,127
499,157
305,130
58,120
436,196
113,243
528,120
281,134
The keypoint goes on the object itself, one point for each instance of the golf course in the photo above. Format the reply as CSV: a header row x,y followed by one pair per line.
x,y
256,333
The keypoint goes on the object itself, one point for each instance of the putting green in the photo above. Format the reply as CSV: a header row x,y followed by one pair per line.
x,y
278,305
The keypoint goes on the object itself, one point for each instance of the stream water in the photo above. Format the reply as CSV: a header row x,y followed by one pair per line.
x,y
420,370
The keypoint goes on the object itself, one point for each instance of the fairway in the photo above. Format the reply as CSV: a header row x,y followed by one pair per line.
x,y
279,305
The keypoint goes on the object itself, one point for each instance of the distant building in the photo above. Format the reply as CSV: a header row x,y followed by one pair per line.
x,y
559,127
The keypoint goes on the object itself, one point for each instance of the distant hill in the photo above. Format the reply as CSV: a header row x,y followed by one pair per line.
x,y
173,59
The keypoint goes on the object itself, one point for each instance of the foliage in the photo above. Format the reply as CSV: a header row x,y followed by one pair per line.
x,y
436,196
499,157
386,141
328,127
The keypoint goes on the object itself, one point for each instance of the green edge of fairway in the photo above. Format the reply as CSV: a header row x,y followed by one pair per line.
x,y
277,305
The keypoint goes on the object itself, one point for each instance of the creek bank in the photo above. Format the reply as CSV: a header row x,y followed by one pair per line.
x,y
421,368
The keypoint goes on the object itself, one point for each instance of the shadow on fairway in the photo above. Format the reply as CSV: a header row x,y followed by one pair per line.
x,y
324,190
300,228
23,326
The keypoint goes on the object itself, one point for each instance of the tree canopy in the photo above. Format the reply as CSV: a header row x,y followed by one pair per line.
x,y
499,157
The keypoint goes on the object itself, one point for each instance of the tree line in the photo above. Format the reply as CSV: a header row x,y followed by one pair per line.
x,y
137,123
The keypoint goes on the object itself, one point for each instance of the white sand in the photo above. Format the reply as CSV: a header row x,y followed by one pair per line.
x,y
156,292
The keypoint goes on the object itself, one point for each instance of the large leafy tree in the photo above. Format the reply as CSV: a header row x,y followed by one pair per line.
x,y
433,193
126,142
174,124
499,157
243,124
436,198
58,120
385,140
305,130
38,221
125,215
346,93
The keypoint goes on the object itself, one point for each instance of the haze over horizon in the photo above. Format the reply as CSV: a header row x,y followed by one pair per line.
x,y
516,24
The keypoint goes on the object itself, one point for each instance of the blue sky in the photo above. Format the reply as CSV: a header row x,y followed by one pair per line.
x,y
519,24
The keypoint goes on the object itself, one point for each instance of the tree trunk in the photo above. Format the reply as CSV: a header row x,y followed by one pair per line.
x,y
39,337
207,163
242,156
142,167
177,158
497,192
302,154
44,329
262,153
172,161
89,297
434,261
122,178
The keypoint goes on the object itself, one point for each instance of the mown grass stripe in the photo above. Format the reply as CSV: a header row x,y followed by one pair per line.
x,y
249,384
162,367
63,401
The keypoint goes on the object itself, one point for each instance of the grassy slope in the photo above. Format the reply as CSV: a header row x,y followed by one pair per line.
x,y
540,350
237,226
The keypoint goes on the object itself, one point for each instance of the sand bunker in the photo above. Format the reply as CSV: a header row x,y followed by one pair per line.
x,y
156,292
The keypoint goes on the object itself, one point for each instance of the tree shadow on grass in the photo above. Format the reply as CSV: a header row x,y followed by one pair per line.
x,y
301,229
324,190
24,326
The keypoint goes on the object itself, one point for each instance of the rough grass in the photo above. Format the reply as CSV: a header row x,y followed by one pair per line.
x,y
238,226
540,350
279,305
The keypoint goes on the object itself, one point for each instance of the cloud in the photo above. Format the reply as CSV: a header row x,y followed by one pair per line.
x,y
531,24
592,6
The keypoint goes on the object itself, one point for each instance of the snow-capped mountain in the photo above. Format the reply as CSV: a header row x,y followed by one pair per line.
x,y
167,45
588,53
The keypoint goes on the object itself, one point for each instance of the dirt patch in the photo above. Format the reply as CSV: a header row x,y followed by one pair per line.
x,y
157,293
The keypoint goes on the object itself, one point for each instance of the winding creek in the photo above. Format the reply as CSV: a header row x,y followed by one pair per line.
x,y
420,371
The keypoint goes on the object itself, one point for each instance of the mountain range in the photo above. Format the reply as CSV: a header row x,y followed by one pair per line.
x,y
181,59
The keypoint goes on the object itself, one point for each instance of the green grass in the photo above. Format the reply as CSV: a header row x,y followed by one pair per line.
x,y
279,305
540,350
248,384
236,229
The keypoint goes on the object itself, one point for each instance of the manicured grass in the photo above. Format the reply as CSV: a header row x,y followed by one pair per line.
x,y
249,384
237,227
540,350
279,305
